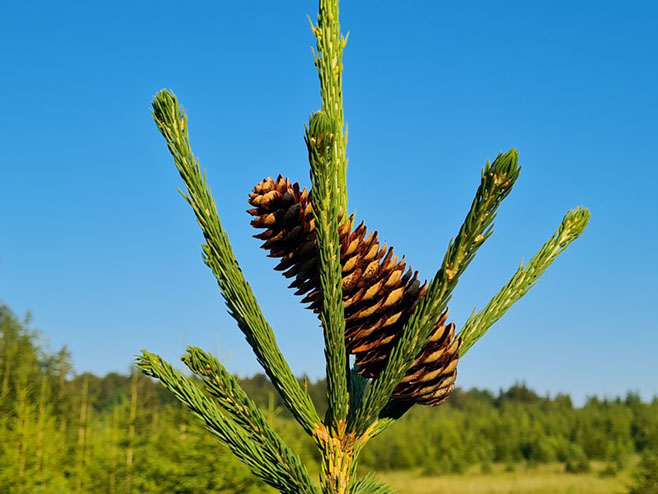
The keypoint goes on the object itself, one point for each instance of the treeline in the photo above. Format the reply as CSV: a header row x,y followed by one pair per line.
x,y
120,434
517,426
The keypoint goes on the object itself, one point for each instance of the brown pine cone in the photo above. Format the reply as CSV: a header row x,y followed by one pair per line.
x,y
379,291
431,378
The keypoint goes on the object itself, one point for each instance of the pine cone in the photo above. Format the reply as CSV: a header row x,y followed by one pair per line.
x,y
431,378
379,292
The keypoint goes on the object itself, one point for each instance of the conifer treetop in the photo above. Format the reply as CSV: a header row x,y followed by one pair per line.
x,y
359,407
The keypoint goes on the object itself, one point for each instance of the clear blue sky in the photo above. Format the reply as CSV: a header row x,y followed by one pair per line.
x,y
97,243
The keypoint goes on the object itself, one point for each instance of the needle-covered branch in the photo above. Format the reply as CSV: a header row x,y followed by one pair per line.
x,y
320,141
230,434
219,257
371,485
363,402
245,413
496,182
329,62
572,226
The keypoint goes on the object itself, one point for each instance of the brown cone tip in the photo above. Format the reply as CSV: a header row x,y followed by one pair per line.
x,y
431,378
380,292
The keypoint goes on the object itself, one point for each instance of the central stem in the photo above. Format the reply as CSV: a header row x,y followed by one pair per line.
x,y
329,62
339,453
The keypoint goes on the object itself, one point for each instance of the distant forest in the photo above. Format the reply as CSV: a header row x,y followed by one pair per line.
x,y
67,433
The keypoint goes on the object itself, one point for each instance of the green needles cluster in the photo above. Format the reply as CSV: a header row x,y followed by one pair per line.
x,y
219,257
239,424
358,408
573,224
320,140
496,183
329,62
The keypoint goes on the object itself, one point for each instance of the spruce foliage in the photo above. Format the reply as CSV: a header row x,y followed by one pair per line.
x,y
358,408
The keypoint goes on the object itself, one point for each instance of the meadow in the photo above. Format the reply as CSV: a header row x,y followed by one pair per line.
x,y
544,479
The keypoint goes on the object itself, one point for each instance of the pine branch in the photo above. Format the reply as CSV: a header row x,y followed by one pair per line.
x,y
319,141
370,485
233,437
329,62
244,412
219,257
383,423
572,226
497,180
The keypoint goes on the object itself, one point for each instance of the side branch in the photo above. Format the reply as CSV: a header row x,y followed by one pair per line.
x,y
219,257
572,226
370,485
245,413
245,449
496,183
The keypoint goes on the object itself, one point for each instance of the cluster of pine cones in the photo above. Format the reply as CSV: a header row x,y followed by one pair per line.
x,y
380,291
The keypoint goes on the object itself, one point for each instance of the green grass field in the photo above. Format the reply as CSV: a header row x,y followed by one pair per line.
x,y
547,479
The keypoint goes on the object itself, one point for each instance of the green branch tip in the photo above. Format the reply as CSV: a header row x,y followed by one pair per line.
x,y
144,363
219,257
166,110
224,387
248,439
371,485
572,226
576,221
320,125
496,182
